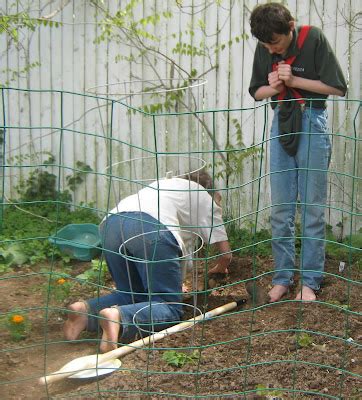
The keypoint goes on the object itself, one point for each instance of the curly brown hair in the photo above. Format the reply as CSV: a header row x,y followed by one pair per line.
x,y
270,18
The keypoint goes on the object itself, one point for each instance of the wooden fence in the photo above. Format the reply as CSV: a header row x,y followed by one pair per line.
x,y
207,40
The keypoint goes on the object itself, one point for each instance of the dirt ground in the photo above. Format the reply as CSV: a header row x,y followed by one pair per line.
x,y
250,348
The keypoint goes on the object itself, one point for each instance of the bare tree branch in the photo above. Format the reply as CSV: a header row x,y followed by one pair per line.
x,y
63,4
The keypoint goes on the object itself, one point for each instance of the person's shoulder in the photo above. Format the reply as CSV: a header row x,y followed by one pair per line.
x,y
261,54
261,49
315,33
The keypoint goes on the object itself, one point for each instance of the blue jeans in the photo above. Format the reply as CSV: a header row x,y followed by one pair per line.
x,y
305,175
148,288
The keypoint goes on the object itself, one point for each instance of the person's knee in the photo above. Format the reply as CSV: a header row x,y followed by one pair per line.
x,y
282,219
78,308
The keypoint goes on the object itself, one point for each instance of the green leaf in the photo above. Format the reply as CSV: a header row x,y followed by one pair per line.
x,y
179,359
14,255
304,340
266,391
4,268
261,389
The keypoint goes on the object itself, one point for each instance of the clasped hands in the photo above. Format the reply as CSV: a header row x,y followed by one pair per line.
x,y
282,77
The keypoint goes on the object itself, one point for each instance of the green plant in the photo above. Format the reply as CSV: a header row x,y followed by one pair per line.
x,y
248,241
340,248
78,176
236,153
11,25
95,274
4,268
179,359
18,325
41,209
59,288
304,340
28,235
40,187
167,92
44,182
264,390
11,255
339,304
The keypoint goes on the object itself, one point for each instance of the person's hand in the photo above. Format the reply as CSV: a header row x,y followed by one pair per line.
x,y
219,269
223,260
275,82
285,74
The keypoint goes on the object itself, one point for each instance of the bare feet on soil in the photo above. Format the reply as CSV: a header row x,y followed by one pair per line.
x,y
277,292
76,323
306,294
111,329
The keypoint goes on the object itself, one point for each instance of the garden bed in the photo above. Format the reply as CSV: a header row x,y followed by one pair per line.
x,y
236,353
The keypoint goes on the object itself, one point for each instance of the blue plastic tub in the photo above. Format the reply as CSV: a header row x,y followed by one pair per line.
x,y
79,241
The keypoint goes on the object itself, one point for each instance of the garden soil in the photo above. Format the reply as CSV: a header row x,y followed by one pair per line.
x,y
237,353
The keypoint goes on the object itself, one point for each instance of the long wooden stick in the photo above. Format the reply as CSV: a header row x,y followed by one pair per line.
x,y
95,360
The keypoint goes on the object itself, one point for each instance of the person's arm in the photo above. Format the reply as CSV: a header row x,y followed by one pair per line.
x,y
264,84
224,260
264,92
212,229
276,85
316,86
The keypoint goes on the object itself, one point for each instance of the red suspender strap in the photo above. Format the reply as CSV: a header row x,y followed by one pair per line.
x,y
302,35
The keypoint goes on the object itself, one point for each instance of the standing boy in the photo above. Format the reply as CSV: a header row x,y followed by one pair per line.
x,y
287,66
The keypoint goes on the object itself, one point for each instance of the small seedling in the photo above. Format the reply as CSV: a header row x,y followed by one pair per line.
x,y
269,393
304,340
59,288
179,359
18,325
339,304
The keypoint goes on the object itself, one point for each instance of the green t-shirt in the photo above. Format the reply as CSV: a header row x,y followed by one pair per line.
x,y
316,60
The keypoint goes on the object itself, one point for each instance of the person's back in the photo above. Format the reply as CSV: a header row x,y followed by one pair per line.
x,y
146,240
180,204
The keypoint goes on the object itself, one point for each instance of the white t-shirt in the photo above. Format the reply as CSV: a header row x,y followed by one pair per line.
x,y
181,205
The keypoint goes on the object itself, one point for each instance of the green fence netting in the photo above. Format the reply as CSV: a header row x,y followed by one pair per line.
x,y
69,158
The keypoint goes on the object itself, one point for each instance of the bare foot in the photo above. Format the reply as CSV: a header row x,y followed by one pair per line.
x,y
111,329
306,294
76,323
277,292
